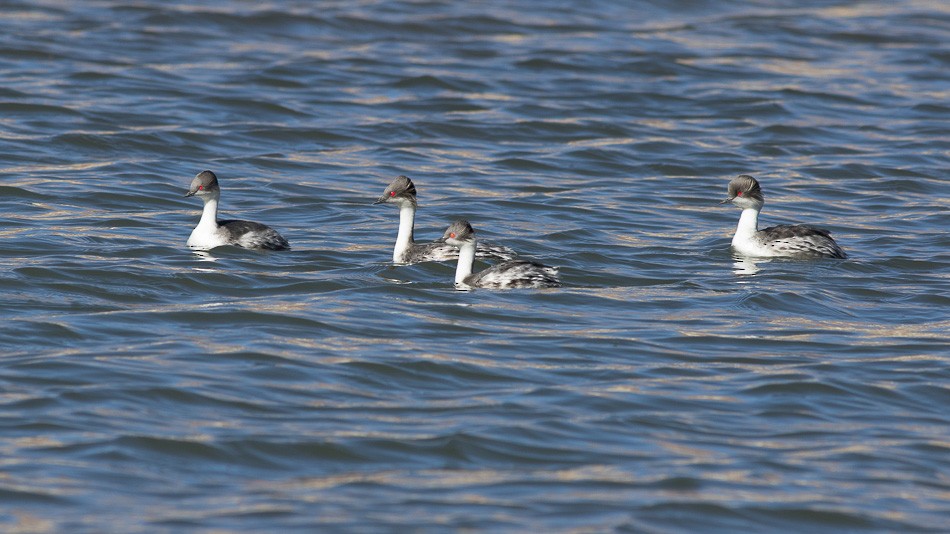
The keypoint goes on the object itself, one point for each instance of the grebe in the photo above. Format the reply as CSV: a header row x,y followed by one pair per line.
x,y
786,240
211,232
507,275
402,192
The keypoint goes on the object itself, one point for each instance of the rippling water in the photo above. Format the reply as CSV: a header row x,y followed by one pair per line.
x,y
668,387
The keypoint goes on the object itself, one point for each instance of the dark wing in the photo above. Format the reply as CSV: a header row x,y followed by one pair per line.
x,y
802,239
516,274
484,249
249,234
432,251
440,251
785,231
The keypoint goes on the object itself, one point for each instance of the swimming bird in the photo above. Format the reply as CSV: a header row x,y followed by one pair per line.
x,y
211,232
507,275
402,193
798,241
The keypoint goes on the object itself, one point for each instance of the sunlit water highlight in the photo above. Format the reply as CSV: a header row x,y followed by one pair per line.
x,y
668,387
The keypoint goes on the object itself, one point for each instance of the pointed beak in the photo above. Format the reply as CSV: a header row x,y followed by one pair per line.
x,y
380,200
730,199
191,193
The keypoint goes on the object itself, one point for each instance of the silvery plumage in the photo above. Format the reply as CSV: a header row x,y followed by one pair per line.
x,y
211,232
507,275
790,241
402,193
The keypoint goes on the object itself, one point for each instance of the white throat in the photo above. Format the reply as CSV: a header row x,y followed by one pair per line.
x,y
407,216
209,214
205,234
748,226
466,262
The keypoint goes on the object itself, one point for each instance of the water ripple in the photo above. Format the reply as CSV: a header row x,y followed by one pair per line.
x,y
668,387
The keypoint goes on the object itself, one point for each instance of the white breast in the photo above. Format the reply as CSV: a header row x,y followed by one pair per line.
x,y
750,246
205,237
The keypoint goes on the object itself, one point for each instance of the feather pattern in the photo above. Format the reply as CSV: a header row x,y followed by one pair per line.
x,y
211,233
799,241
508,275
402,193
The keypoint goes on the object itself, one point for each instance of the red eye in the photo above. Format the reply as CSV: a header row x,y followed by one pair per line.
x,y
392,193
739,194
201,188
452,235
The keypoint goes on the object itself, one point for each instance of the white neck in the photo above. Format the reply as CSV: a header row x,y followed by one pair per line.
x,y
466,262
209,215
407,215
205,235
748,225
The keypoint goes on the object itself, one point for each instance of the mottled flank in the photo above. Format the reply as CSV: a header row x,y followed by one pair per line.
x,y
517,274
249,234
440,251
802,241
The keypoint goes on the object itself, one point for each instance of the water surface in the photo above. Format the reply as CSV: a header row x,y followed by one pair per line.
x,y
668,387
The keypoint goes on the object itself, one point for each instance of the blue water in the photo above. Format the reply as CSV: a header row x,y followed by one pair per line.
x,y
667,387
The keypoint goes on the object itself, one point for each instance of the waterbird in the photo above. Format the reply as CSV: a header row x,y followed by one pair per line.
x,y
799,241
506,275
402,193
211,232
